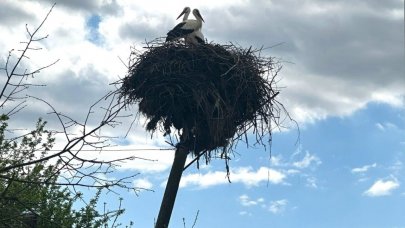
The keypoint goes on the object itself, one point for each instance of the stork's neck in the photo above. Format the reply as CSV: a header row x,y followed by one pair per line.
x,y
185,17
199,21
199,24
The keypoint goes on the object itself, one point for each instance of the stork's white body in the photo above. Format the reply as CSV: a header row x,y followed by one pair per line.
x,y
197,37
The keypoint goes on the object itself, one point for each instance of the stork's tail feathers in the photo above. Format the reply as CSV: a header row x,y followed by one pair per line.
x,y
170,38
199,40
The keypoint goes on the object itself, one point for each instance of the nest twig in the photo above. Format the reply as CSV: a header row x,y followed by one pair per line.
x,y
211,94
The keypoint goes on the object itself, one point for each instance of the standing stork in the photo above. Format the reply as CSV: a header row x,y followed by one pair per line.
x,y
195,37
187,27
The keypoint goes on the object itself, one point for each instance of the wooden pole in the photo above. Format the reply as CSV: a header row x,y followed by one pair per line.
x,y
172,187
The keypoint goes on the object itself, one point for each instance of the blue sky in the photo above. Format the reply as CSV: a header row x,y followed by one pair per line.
x,y
346,157
342,80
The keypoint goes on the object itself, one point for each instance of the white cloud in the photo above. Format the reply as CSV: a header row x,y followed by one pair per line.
x,y
150,154
298,165
152,161
277,161
363,179
247,202
245,213
275,207
143,183
382,187
293,171
278,206
386,126
307,161
363,168
243,175
397,167
389,98
312,182
380,126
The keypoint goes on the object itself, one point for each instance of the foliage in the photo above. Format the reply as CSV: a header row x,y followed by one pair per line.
x,y
31,194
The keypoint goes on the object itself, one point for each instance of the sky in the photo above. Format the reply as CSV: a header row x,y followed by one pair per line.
x,y
342,80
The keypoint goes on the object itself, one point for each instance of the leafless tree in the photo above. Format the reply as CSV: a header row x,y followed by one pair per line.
x,y
77,170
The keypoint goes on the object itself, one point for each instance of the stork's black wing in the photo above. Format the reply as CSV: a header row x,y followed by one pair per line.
x,y
178,32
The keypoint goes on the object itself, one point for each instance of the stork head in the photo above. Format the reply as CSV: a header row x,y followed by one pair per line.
x,y
186,10
197,14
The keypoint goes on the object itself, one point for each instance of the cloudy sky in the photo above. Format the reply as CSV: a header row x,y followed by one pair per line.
x,y
342,78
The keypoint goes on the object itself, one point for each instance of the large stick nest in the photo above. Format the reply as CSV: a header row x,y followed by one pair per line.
x,y
212,94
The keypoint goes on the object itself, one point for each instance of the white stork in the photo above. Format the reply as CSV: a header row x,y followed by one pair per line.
x,y
187,27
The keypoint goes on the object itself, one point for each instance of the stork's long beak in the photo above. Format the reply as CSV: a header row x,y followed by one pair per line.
x,y
199,15
182,13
